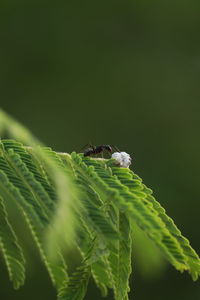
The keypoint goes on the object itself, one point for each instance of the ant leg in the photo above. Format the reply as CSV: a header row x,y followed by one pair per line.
x,y
106,152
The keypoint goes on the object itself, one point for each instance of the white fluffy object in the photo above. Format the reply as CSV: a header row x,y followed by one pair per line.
x,y
122,158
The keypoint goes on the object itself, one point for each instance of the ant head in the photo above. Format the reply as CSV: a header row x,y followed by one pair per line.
x,y
108,148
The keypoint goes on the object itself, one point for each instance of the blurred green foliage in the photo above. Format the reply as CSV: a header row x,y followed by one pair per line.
x,y
137,61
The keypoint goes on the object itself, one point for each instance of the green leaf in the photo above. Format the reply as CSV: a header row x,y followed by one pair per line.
x,y
11,249
77,285
135,205
98,261
91,205
134,184
20,190
120,259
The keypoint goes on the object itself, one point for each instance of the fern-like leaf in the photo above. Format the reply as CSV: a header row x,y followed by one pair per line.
x,y
11,249
90,204
77,285
120,259
135,204
127,177
19,190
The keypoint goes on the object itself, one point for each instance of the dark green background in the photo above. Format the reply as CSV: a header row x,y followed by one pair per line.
x,y
117,72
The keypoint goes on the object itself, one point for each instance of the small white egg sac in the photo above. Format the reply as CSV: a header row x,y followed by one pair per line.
x,y
122,158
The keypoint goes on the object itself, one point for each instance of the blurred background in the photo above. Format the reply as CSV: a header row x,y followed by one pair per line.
x,y
111,72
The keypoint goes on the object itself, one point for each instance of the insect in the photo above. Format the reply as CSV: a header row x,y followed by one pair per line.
x,y
92,150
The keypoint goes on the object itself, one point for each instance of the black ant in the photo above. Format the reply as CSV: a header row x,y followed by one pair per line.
x,y
92,150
